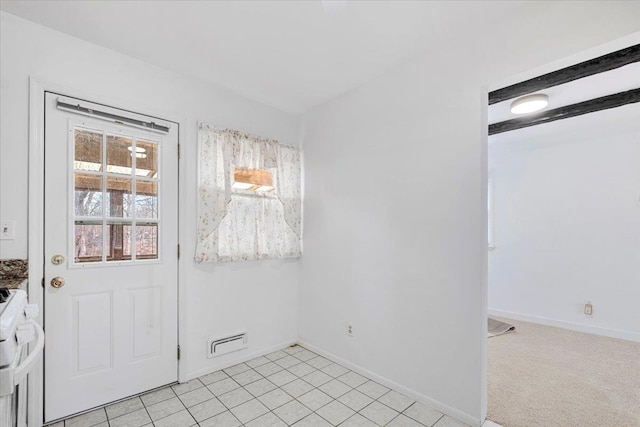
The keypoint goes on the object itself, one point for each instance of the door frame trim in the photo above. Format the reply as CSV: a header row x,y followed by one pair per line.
x,y
35,233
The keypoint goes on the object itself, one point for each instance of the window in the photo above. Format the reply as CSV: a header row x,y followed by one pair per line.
x,y
115,198
249,205
258,181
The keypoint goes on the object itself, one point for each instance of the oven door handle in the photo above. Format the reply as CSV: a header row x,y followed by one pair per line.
x,y
23,368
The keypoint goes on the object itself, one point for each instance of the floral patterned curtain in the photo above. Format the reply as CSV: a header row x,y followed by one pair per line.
x,y
239,226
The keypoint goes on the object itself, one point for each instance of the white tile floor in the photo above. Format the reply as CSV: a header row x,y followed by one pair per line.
x,y
293,386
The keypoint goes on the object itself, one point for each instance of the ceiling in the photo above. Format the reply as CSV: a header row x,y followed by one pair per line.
x,y
620,120
595,86
292,55
600,124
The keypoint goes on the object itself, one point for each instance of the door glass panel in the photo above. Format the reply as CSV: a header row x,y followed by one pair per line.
x,y
147,241
146,159
119,242
119,155
88,241
127,233
88,150
146,199
118,201
116,182
87,195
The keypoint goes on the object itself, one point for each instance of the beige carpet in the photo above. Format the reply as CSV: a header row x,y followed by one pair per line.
x,y
546,376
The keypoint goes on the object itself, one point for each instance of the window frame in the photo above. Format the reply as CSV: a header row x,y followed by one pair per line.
x,y
104,219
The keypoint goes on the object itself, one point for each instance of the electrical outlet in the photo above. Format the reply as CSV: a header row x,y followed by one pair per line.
x,y
588,309
350,329
7,230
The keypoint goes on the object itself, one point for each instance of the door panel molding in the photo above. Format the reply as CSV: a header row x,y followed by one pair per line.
x,y
146,325
95,310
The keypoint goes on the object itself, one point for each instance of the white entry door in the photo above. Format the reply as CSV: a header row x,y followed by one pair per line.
x,y
111,226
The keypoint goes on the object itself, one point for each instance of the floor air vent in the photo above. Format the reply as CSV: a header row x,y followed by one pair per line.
x,y
219,346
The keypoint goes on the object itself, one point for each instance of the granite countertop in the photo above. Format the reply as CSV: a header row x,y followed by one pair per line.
x,y
14,283
14,273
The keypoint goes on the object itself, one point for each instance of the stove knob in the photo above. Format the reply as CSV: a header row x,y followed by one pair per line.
x,y
25,334
4,294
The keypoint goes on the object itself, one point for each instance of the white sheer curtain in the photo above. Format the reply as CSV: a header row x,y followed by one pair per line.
x,y
236,226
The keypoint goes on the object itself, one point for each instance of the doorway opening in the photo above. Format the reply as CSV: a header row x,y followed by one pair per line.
x,y
564,234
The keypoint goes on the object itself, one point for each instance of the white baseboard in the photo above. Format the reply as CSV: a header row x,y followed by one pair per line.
x,y
580,327
445,409
242,357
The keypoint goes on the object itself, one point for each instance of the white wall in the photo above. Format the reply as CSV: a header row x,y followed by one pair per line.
x,y
395,238
260,297
567,223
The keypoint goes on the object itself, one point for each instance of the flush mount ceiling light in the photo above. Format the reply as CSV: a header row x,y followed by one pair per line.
x,y
529,103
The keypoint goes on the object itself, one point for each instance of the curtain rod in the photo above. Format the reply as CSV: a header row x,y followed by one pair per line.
x,y
85,111
203,125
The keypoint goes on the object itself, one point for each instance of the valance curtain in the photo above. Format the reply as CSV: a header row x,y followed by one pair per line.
x,y
237,226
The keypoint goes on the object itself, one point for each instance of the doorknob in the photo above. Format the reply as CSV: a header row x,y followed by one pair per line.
x,y
57,259
57,282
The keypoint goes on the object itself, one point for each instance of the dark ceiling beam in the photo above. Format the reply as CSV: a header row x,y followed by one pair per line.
x,y
598,65
573,110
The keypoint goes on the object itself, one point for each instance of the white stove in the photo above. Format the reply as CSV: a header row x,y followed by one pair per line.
x,y
17,329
